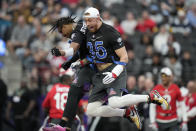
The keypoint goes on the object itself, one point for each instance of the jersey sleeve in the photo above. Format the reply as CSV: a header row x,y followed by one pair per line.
x,y
115,39
179,94
74,58
194,97
78,35
155,88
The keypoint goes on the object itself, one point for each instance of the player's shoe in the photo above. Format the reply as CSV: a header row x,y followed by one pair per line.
x,y
156,98
133,116
54,128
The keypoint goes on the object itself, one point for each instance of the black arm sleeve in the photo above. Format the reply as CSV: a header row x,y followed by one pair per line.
x,y
78,34
74,58
68,63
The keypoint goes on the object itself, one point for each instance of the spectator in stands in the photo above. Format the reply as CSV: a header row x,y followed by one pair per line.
x,y
5,18
39,11
127,42
168,7
172,47
145,41
141,83
156,66
132,85
42,44
155,15
107,18
129,24
160,40
148,85
145,23
57,11
191,15
191,105
174,64
21,8
145,3
117,26
20,35
147,58
181,24
134,64
109,3
187,67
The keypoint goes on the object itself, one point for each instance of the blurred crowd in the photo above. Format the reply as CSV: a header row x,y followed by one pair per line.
x,y
156,33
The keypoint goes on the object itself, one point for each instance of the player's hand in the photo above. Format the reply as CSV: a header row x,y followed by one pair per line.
x,y
184,126
66,65
55,51
154,126
109,78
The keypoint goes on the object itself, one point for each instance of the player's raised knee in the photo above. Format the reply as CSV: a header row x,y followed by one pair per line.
x,y
113,101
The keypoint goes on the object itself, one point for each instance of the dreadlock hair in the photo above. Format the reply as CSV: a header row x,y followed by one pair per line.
x,y
62,21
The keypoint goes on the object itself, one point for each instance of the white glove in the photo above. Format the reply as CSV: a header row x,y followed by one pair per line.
x,y
75,65
154,126
184,126
109,78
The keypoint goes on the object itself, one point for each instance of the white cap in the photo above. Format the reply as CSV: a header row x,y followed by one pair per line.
x,y
68,72
166,71
91,13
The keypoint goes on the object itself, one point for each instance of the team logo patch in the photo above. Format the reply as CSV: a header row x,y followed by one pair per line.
x,y
119,40
112,92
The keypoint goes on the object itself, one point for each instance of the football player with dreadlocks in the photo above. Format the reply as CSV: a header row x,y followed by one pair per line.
x,y
76,31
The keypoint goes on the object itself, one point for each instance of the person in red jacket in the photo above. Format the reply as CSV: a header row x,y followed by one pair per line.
x,y
145,23
56,99
164,120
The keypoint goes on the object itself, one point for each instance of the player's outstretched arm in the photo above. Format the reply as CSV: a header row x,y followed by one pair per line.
x,y
122,54
68,63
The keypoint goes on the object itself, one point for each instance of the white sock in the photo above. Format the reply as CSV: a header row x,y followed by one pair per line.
x,y
97,109
126,100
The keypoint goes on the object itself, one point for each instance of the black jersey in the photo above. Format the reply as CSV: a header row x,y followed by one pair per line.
x,y
78,36
103,43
